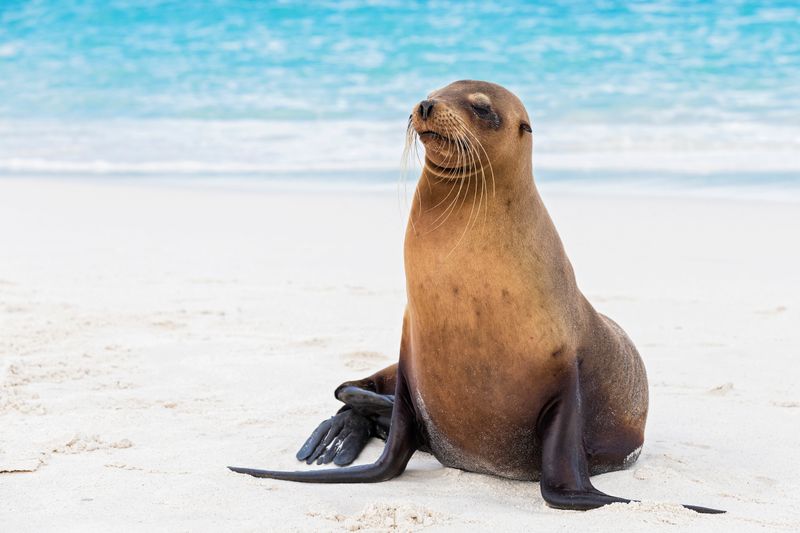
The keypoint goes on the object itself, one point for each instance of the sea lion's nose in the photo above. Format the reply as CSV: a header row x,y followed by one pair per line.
x,y
425,108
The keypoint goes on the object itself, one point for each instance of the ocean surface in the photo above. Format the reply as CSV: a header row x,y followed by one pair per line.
x,y
695,91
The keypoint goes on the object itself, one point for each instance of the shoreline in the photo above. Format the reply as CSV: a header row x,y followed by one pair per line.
x,y
781,188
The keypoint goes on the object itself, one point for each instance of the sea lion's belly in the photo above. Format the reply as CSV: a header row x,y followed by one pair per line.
x,y
479,411
483,442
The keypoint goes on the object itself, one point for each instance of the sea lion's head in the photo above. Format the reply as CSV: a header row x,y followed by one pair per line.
x,y
468,126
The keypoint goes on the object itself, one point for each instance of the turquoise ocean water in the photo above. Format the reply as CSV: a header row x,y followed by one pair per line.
x,y
707,89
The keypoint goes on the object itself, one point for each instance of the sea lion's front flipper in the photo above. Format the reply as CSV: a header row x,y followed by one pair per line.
x,y
403,440
565,480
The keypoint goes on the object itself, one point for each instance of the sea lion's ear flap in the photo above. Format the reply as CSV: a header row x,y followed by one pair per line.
x,y
525,127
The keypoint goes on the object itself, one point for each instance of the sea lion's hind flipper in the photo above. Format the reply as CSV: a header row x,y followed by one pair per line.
x,y
339,439
403,440
565,480
342,437
367,413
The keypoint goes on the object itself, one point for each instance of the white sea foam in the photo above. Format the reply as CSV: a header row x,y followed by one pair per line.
x,y
270,147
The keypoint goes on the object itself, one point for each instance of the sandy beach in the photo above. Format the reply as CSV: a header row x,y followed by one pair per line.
x,y
153,333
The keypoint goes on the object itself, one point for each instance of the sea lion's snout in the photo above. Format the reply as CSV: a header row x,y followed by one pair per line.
x,y
425,108
433,128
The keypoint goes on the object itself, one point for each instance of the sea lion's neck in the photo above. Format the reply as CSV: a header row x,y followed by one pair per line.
x,y
488,235
482,207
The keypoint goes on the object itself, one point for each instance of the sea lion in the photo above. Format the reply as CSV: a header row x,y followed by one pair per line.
x,y
505,368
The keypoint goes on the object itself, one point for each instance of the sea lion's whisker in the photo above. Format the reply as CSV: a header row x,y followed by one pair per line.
x,y
402,190
469,183
483,172
447,211
443,200
457,170
451,207
412,143
468,166
488,160
447,170
452,169
483,179
471,221
486,205
457,138
467,226
453,184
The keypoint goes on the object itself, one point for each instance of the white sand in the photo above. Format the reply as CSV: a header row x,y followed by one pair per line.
x,y
150,335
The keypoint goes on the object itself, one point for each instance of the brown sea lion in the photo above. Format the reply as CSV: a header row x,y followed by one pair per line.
x,y
505,368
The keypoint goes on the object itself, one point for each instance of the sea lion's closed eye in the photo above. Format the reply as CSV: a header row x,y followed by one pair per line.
x,y
482,110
